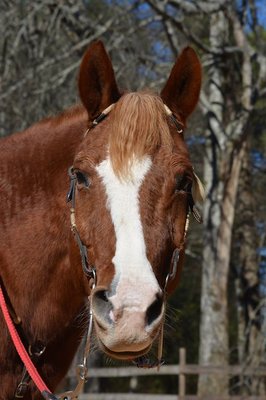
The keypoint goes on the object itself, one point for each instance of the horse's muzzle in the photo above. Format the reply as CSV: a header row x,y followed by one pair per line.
x,y
126,327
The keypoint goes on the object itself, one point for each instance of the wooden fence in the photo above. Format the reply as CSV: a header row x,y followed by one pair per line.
x,y
181,370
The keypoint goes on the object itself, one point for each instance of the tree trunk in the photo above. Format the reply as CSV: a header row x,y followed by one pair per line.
x,y
250,338
216,258
225,151
221,169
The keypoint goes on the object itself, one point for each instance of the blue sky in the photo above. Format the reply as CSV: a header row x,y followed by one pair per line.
x,y
261,4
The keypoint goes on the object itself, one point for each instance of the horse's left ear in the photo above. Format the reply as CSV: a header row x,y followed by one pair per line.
x,y
181,92
97,84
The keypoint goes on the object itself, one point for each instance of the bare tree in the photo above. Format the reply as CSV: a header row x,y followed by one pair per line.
x,y
41,45
235,75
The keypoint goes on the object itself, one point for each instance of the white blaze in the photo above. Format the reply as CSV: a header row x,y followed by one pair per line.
x,y
133,273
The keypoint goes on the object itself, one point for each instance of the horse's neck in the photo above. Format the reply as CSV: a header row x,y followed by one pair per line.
x,y
35,218
34,162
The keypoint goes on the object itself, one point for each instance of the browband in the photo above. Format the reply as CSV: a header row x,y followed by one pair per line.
x,y
106,111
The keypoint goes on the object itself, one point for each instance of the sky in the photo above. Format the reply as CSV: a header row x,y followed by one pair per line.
x,y
261,4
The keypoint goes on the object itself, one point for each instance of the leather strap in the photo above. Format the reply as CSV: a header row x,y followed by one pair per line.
x,y
24,356
88,270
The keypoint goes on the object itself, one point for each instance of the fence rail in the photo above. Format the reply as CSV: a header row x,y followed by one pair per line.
x,y
189,369
181,371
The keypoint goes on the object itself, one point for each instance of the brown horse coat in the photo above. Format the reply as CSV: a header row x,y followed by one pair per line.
x,y
137,151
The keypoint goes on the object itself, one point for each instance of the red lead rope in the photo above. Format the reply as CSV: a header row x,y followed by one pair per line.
x,y
25,358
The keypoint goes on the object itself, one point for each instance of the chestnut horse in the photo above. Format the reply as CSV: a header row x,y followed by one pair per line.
x,y
133,181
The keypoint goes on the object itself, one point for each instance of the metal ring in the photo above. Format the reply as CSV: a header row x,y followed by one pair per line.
x,y
36,353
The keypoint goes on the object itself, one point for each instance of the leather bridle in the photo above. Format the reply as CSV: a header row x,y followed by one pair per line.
x,y
88,269
90,272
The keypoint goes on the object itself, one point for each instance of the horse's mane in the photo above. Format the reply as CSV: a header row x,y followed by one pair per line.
x,y
138,127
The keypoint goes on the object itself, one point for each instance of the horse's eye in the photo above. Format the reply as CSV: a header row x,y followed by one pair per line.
x,y
183,183
82,179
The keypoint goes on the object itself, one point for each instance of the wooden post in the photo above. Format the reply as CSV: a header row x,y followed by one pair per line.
x,y
182,376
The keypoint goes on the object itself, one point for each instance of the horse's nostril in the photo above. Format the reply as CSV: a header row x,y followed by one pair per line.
x,y
102,295
154,310
101,304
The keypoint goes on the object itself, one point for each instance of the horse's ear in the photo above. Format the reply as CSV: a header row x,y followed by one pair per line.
x,y
181,92
97,84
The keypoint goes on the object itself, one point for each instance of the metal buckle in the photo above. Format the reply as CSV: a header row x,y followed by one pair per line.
x,y
21,390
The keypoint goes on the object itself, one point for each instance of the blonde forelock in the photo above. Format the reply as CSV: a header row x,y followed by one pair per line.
x,y
138,128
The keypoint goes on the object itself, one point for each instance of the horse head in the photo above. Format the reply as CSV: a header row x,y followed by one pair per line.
x,y
134,184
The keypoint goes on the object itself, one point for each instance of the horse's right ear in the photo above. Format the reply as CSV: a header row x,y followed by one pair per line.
x,y
97,84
